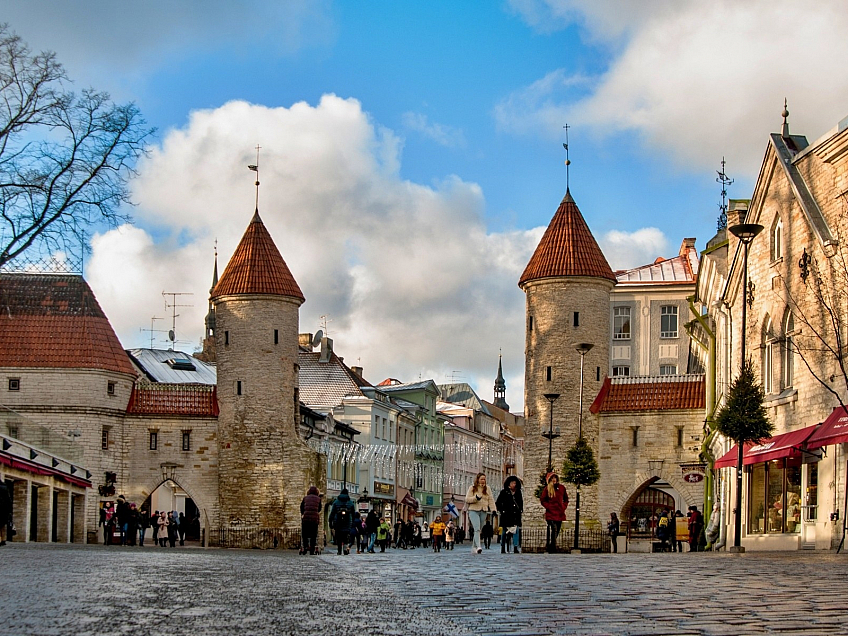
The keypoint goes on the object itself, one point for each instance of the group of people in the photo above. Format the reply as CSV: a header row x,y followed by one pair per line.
x,y
131,523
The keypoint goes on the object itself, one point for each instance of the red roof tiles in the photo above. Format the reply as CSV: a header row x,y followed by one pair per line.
x,y
174,399
257,267
650,393
567,248
54,321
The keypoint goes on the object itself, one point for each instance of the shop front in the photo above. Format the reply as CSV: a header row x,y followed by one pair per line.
x,y
781,488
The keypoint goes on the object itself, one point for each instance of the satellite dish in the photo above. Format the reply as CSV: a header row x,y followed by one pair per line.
x,y
316,340
171,335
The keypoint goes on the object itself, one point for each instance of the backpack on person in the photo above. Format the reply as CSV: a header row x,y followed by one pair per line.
x,y
341,519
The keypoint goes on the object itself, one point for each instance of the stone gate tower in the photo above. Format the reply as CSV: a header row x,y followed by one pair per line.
x,y
264,467
567,285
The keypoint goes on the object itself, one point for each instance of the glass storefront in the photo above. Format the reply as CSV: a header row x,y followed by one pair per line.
x,y
774,496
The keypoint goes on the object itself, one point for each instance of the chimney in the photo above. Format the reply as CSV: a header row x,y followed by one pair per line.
x,y
688,244
305,340
326,349
737,211
357,371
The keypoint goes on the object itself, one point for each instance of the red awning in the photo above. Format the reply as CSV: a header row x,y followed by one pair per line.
x,y
785,445
834,430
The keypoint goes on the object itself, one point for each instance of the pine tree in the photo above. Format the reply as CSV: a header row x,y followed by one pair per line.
x,y
580,467
743,417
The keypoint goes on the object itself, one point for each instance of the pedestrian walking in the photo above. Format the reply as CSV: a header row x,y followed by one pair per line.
x,y
613,528
554,499
425,535
123,512
437,529
341,516
154,527
677,543
5,512
383,533
664,531
181,527
363,535
478,502
162,524
510,505
172,529
450,535
143,525
310,518
372,522
355,528
696,527
132,525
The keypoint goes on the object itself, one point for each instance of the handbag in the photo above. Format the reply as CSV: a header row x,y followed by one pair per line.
x,y
512,529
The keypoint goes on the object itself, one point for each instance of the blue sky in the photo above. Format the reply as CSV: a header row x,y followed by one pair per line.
x,y
412,152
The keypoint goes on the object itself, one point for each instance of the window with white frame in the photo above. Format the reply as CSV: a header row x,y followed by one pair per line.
x,y
788,353
777,239
621,371
621,323
668,369
768,358
668,321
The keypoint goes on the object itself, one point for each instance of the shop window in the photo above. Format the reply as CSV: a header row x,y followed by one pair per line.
x,y
775,497
668,321
621,323
14,384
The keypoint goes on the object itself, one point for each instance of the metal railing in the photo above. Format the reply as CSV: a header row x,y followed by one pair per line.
x,y
255,537
533,540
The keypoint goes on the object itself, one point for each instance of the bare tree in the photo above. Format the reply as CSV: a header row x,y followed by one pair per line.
x,y
65,158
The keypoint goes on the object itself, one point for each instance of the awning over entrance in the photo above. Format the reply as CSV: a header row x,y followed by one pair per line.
x,y
777,447
405,498
834,430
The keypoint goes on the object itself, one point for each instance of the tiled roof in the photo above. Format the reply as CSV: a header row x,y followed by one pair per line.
x,y
174,399
54,321
567,248
256,267
650,393
325,384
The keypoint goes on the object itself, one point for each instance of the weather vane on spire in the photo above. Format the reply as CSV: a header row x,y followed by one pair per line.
x,y
255,168
785,131
725,181
567,160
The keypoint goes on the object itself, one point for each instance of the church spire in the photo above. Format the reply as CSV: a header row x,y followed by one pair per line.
x,y
500,387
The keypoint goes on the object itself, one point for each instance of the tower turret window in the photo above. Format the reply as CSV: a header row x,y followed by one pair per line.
x,y
576,318
226,337
548,374
238,387
276,336
530,324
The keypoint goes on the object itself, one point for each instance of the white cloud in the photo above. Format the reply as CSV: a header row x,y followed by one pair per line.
x,y
442,134
626,250
412,280
696,80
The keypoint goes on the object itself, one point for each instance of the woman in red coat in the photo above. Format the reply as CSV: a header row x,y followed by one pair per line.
x,y
554,499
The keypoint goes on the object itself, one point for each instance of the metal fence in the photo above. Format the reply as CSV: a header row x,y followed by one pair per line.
x,y
255,537
534,540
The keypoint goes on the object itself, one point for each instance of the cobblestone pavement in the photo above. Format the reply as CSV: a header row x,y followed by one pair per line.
x,y
81,590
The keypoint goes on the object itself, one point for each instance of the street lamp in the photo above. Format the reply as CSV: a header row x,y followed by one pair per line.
x,y
550,435
583,348
745,232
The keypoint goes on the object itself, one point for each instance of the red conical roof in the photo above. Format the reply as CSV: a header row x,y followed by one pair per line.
x,y
257,267
567,248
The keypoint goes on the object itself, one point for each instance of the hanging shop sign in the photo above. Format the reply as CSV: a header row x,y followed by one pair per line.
x,y
383,489
693,473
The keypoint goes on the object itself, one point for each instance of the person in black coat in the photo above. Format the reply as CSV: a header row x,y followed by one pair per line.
x,y
372,522
310,518
510,505
341,516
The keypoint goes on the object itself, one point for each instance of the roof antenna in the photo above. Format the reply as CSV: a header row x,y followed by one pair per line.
x,y
785,131
255,168
567,160
725,181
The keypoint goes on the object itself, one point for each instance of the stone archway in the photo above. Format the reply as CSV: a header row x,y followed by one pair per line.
x,y
204,509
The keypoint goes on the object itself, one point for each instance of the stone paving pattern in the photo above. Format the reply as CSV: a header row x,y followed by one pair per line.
x,y
82,590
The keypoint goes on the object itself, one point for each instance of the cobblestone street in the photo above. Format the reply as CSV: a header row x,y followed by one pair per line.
x,y
75,589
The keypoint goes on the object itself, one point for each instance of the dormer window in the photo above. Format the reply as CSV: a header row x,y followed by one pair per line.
x,y
181,364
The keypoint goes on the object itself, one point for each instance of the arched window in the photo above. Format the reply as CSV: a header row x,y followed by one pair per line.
x,y
768,357
776,239
788,350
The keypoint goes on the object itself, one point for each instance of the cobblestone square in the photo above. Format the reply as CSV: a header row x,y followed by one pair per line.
x,y
80,590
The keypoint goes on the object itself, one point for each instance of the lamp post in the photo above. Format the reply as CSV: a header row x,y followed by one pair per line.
x,y
745,232
583,348
550,435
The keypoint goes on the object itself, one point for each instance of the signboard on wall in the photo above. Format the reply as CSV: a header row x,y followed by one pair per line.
x,y
693,473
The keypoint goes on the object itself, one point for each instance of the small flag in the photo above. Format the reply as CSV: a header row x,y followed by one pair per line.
x,y
254,168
